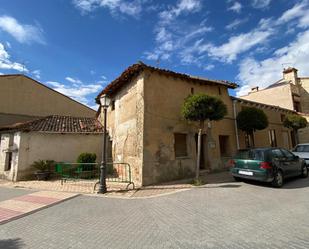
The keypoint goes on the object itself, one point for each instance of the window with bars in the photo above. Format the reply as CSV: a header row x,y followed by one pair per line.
x,y
180,145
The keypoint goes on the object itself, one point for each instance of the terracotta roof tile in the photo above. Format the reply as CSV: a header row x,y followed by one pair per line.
x,y
134,70
58,124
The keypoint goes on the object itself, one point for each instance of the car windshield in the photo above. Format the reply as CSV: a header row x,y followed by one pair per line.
x,y
250,155
302,148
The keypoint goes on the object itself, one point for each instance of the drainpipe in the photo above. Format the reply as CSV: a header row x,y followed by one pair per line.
x,y
236,128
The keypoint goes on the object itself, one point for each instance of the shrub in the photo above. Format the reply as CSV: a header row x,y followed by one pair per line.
x,y
43,165
87,157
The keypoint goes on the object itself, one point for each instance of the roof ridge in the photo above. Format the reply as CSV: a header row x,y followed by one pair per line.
x,y
135,69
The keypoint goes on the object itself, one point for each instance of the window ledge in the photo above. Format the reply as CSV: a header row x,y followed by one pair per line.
x,y
182,157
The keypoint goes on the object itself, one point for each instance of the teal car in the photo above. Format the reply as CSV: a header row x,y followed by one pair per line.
x,y
272,165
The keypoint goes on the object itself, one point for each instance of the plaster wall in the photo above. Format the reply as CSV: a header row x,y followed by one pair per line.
x,y
278,96
304,94
23,96
58,147
261,138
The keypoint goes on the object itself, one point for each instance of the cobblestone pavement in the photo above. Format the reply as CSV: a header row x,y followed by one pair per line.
x,y
226,215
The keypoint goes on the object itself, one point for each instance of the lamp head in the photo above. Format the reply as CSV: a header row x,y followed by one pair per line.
x,y
105,101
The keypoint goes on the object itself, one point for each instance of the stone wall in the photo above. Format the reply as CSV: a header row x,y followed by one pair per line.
x,y
126,127
164,97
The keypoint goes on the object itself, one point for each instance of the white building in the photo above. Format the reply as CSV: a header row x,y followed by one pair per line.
x,y
58,138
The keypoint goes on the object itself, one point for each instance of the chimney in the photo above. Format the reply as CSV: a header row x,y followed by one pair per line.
x,y
254,89
290,74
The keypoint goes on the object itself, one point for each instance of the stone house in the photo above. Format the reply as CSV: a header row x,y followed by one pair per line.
x,y
291,92
147,131
23,98
58,138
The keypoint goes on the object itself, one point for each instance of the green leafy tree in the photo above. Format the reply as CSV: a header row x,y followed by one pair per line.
x,y
200,108
295,122
251,119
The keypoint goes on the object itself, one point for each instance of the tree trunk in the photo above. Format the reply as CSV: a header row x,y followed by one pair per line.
x,y
199,143
198,161
252,136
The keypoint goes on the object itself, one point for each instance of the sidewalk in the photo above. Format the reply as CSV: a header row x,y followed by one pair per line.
x,y
22,205
119,190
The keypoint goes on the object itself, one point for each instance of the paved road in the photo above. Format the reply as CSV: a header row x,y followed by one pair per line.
x,y
231,215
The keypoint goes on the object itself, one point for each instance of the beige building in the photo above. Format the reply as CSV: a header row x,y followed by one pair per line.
x,y
290,92
147,131
23,98
58,138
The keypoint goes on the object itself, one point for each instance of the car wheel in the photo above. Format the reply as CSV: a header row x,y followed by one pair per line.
x,y
304,171
278,179
237,179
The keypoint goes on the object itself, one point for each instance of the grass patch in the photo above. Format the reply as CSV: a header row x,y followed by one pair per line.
x,y
198,182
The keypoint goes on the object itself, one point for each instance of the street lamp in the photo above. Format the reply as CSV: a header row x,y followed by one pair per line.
x,y
104,101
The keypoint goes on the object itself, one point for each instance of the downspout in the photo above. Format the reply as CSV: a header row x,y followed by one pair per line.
x,y
236,127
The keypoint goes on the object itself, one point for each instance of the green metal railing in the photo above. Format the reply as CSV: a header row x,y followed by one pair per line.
x,y
115,172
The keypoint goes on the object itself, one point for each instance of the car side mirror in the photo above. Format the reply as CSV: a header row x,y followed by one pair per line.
x,y
296,157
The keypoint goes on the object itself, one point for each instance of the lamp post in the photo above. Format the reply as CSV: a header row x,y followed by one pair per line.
x,y
104,101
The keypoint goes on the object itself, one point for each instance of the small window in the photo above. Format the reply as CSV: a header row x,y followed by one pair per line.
x,y
113,105
219,90
297,107
192,90
282,117
180,145
272,138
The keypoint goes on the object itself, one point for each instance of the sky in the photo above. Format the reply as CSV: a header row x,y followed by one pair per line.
x,y
78,46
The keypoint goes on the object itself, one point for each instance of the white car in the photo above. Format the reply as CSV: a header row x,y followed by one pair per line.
x,y
302,150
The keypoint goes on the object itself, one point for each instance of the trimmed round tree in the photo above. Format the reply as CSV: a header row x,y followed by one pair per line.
x,y
251,119
295,122
200,108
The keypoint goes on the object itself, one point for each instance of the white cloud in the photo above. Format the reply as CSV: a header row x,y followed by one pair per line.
x,y
260,4
6,63
265,72
79,92
37,74
73,80
238,44
236,23
131,8
236,7
298,11
173,33
23,33
183,6
208,67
